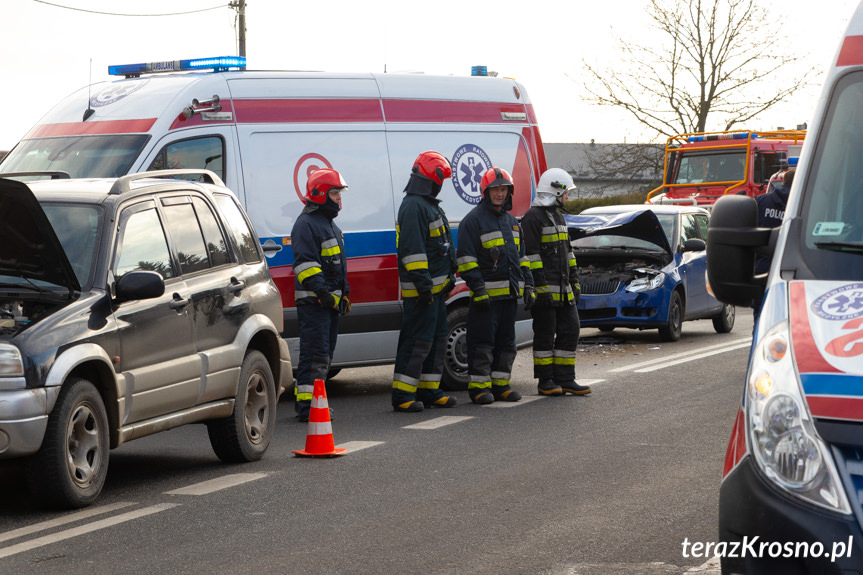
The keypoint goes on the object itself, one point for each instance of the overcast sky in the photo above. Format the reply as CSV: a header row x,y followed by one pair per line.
x,y
47,50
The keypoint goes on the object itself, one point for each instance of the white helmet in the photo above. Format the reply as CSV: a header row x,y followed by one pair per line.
x,y
552,185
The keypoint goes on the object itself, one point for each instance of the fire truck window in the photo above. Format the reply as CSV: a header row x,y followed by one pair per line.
x,y
766,165
195,154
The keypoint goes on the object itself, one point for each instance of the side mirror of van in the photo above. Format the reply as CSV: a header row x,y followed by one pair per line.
x,y
139,285
732,241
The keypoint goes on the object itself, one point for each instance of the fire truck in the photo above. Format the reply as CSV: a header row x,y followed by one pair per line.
x,y
702,167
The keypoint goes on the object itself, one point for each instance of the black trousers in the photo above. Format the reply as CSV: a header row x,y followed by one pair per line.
x,y
555,339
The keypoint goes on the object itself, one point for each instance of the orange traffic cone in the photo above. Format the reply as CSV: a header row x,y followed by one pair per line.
x,y
319,439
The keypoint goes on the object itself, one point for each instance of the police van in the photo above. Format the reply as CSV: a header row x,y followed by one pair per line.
x,y
791,497
263,133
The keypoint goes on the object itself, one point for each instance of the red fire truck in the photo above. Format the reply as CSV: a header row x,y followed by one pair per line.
x,y
702,167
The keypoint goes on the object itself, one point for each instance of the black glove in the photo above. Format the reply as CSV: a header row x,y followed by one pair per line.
x,y
425,299
482,304
529,297
544,299
576,292
327,300
344,305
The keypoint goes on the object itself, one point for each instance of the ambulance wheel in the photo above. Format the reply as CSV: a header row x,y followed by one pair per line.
x,y
455,361
724,322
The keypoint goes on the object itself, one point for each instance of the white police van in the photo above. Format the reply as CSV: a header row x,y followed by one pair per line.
x,y
264,132
791,499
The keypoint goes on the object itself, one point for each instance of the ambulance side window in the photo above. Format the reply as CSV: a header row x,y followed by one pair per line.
x,y
206,153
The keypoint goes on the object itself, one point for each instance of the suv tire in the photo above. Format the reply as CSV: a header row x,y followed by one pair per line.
x,y
246,434
69,469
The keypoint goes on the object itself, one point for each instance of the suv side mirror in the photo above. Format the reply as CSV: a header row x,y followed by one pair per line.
x,y
139,285
732,240
694,245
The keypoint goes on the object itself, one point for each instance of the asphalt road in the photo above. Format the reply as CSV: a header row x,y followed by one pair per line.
x,y
604,484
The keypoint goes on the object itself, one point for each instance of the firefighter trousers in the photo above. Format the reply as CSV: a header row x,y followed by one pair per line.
x,y
490,345
319,329
421,350
555,339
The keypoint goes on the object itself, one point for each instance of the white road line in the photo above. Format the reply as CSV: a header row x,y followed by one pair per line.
x,y
524,399
70,518
83,530
352,446
720,348
207,487
439,422
692,358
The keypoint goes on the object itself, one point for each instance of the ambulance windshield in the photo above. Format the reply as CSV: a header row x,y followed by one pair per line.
x,y
833,194
108,156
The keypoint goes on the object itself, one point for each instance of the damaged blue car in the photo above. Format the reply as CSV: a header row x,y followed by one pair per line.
x,y
643,267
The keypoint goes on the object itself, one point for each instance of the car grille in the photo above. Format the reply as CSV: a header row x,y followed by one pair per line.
x,y
600,313
854,465
599,287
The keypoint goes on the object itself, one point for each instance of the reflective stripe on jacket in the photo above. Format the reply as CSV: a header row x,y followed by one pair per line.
x,y
549,251
319,257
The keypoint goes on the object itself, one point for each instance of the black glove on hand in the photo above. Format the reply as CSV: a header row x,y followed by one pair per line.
x,y
482,304
529,297
344,305
328,300
425,299
576,292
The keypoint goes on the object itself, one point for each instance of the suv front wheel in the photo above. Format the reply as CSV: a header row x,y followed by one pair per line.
x,y
70,468
246,434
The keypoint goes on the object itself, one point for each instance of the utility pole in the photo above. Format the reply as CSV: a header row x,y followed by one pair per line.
x,y
240,7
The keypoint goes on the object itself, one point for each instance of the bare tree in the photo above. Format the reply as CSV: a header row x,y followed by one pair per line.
x,y
725,60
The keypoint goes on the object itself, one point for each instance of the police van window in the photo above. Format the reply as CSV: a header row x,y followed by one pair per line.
x,y
196,154
246,241
217,248
142,245
833,203
186,234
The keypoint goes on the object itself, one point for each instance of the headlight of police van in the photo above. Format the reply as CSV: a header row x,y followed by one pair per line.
x,y
649,280
782,435
11,368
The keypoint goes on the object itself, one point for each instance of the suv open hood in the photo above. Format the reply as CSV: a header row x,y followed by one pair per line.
x,y
640,224
29,248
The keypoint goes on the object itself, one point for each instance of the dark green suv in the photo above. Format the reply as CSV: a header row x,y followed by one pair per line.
x,y
130,306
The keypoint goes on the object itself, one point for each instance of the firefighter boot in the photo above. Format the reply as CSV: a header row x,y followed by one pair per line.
x,y
435,398
575,389
548,387
505,393
481,396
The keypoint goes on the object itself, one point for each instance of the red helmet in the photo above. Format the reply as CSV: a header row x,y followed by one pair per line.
x,y
495,176
434,166
321,182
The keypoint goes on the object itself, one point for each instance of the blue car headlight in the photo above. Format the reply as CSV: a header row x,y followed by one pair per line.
x,y
649,279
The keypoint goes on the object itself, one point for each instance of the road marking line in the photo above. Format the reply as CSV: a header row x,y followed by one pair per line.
x,y
352,446
83,530
71,518
730,345
522,401
692,358
439,422
207,487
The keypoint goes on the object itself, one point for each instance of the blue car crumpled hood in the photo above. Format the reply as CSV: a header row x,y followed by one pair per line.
x,y
639,224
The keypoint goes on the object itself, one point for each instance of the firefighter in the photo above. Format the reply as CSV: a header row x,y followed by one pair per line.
x,y
491,261
555,274
427,265
321,284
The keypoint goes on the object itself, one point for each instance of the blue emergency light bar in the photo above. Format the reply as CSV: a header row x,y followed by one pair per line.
x,y
217,64
792,161
736,136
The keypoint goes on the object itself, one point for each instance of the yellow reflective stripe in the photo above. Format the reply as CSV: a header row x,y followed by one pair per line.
x,y
429,384
501,291
479,297
468,266
493,243
572,263
304,275
564,361
543,289
542,361
417,266
479,385
440,287
401,386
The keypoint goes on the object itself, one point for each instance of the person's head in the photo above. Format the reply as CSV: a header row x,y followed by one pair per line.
x,y
324,188
431,167
788,178
497,188
553,188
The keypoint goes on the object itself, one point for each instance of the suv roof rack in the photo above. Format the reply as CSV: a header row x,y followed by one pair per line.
x,y
122,185
55,175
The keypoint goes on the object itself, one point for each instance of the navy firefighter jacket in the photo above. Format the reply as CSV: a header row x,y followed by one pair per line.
x,y
319,257
491,257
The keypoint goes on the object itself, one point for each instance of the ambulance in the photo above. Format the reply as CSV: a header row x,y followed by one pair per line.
x,y
263,133
791,496
702,167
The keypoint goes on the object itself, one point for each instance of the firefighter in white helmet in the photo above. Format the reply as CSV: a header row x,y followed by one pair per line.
x,y
555,274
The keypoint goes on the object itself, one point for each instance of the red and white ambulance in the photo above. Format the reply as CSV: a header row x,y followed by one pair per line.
x,y
263,133
791,498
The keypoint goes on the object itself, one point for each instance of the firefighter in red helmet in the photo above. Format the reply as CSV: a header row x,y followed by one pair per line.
x,y
491,260
426,258
321,284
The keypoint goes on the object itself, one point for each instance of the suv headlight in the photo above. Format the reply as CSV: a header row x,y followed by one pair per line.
x,y
10,361
650,280
782,435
